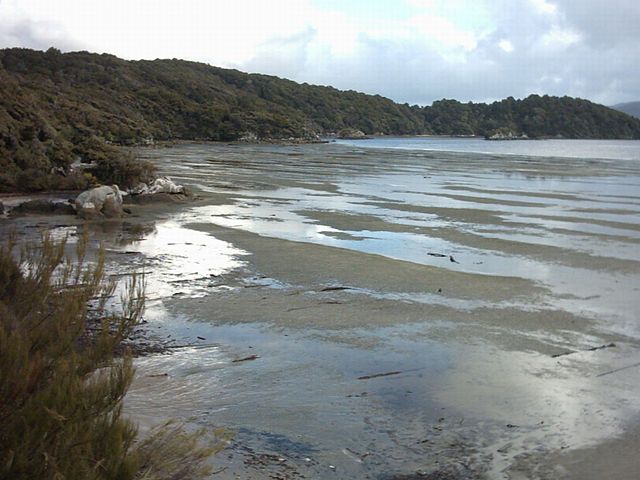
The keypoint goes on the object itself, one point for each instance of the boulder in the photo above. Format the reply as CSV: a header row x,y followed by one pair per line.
x,y
352,134
156,198
505,134
63,208
35,207
164,185
248,137
42,207
100,202
159,185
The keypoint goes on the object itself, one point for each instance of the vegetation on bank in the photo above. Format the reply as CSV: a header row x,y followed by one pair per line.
x,y
61,388
58,108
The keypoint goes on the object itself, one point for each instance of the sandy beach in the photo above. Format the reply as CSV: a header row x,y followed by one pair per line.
x,y
395,313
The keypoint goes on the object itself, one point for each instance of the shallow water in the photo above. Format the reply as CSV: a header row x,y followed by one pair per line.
x,y
462,274
612,149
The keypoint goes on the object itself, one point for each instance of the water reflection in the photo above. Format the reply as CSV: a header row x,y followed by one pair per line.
x,y
176,260
471,378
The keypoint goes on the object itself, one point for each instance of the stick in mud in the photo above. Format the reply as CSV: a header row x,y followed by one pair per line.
x,y
376,375
618,369
592,349
245,359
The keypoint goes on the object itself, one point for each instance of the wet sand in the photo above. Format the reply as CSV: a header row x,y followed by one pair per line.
x,y
411,312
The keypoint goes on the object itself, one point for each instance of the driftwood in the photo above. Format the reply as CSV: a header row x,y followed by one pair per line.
x,y
592,349
618,369
245,359
442,255
376,375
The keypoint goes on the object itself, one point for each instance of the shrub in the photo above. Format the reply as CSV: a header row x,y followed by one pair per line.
x,y
124,170
33,180
61,388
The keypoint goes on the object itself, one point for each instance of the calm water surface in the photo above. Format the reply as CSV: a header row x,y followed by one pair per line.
x,y
612,149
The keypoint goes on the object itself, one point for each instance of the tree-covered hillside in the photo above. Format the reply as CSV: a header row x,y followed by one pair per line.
x,y
55,108
535,116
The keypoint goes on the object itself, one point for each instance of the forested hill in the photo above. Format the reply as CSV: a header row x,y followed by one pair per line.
x,y
56,107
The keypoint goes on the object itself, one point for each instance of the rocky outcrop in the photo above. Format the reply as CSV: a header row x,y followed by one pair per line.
x,y
248,137
100,202
351,134
159,185
162,189
42,207
506,134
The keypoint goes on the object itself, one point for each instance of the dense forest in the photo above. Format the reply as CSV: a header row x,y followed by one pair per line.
x,y
56,108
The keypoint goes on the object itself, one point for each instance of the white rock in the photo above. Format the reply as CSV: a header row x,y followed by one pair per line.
x,y
164,185
139,189
100,201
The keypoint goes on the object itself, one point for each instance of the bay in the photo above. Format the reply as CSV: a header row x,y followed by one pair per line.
x,y
412,310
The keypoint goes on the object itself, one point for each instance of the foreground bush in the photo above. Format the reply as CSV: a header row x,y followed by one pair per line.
x,y
61,389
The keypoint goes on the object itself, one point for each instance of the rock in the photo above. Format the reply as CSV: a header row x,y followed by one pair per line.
x,y
1,208
100,201
139,189
155,198
63,208
88,210
33,207
506,134
148,141
165,185
351,134
159,185
43,207
248,137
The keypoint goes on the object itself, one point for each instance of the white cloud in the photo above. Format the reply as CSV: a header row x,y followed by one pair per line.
x,y
414,50
544,7
443,31
221,32
506,45
559,39
422,4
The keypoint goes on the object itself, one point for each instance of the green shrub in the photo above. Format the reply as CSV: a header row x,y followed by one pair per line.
x,y
123,170
61,388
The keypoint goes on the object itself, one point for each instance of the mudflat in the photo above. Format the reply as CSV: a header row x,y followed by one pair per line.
x,y
361,313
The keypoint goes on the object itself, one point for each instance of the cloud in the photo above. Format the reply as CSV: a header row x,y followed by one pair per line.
x,y
414,51
18,29
544,7
506,45
443,32
604,24
558,39
531,48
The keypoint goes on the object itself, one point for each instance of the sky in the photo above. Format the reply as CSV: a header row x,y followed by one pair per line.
x,y
413,51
